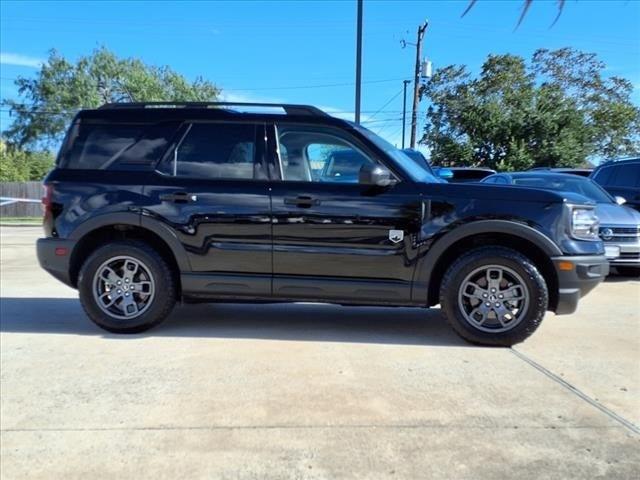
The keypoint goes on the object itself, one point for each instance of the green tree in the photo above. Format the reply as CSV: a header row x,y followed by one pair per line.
x,y
20,166
557,110
49,101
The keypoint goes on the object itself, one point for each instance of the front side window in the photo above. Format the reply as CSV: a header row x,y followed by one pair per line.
x,y
309,155
215,151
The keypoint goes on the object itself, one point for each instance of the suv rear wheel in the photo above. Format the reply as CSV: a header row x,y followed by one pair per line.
x,y
126,287
494,296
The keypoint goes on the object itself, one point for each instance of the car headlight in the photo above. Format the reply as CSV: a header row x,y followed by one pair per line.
x,y
584,223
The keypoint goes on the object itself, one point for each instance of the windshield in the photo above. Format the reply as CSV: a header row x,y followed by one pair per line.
x,y
565,183
415,170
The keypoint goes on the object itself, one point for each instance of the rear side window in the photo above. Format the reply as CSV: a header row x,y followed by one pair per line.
x,y
96,146
625,175
603,176
495,179
215,151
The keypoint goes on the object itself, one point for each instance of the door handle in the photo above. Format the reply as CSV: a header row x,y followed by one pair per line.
x,y
302,201
178,197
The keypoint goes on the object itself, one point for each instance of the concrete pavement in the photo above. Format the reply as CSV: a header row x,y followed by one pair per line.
x,y
310,391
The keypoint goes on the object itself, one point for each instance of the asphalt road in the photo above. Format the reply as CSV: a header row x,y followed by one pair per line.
x,y
310,391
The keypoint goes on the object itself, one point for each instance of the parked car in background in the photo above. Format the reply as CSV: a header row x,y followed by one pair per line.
x,y
449,174
621,178
421,160
463,174
619,224
583,172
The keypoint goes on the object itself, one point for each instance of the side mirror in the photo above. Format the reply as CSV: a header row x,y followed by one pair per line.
x,y
445,173
620,200
376,175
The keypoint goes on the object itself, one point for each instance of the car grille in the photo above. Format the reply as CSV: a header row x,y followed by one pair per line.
x,y
621,234
629,256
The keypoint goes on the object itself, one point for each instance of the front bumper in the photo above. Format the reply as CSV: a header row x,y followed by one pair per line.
x,y
586,272
54,255
629,255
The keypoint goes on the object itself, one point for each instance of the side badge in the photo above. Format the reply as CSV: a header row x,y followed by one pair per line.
x,y
396,235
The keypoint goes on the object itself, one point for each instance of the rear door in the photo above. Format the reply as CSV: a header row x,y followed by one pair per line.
x,y
212,190
335,239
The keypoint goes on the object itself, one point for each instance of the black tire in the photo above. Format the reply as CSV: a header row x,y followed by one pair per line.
x,y
155,310
527,321
628,271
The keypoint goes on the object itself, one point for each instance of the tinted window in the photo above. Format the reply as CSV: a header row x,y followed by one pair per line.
x,y
565,183
625,176
148,148
603,176
97,146
496,179
470,175
315,156
225,151
93,146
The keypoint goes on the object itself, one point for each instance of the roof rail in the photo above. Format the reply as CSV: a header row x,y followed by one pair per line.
x,y
289,109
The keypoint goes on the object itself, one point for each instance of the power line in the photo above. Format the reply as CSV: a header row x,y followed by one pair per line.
x,y
387,103
382,120
326,85
394,133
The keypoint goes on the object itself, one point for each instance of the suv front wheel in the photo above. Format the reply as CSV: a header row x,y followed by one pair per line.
x,y
494,296
126,287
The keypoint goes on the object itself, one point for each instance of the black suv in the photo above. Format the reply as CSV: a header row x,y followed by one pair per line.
x,y
153,203
621,178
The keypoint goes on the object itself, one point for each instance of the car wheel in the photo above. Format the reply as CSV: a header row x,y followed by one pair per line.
x,y
126,287
494,296
628,271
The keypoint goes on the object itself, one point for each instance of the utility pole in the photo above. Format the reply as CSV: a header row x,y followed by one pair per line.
x,y
404,109
416,84
358,61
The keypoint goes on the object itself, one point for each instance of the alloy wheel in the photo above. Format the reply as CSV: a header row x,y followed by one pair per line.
x,y
123,287
493,298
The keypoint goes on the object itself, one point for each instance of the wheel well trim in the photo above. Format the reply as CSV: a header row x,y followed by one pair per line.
x,y
136,220
428,261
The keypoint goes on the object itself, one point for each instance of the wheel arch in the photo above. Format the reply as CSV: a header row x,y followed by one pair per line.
x,y
521,238
122,226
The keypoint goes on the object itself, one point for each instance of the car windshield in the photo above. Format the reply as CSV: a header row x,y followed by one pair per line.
x,y
414,169
565,183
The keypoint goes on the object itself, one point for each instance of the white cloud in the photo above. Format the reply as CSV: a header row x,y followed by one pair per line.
x,y
19,60
231,96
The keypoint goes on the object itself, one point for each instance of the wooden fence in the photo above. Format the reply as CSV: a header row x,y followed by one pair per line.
x,y
27,190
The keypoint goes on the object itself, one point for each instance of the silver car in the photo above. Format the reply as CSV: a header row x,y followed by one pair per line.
x,y
619,225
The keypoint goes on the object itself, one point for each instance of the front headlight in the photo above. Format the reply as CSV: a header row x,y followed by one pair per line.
x,y
584,223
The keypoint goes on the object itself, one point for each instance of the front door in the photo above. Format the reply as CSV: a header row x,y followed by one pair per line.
x,y
335,239
213,192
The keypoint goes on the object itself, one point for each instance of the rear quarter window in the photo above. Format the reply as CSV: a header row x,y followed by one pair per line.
x,y
102,146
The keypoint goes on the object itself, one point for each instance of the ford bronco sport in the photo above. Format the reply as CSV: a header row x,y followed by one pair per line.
x,y
153,203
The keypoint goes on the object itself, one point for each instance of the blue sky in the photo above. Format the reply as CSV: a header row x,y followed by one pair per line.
x,y
304,52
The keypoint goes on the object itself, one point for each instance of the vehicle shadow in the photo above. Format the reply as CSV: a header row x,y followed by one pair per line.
x,y
620,279
302,322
